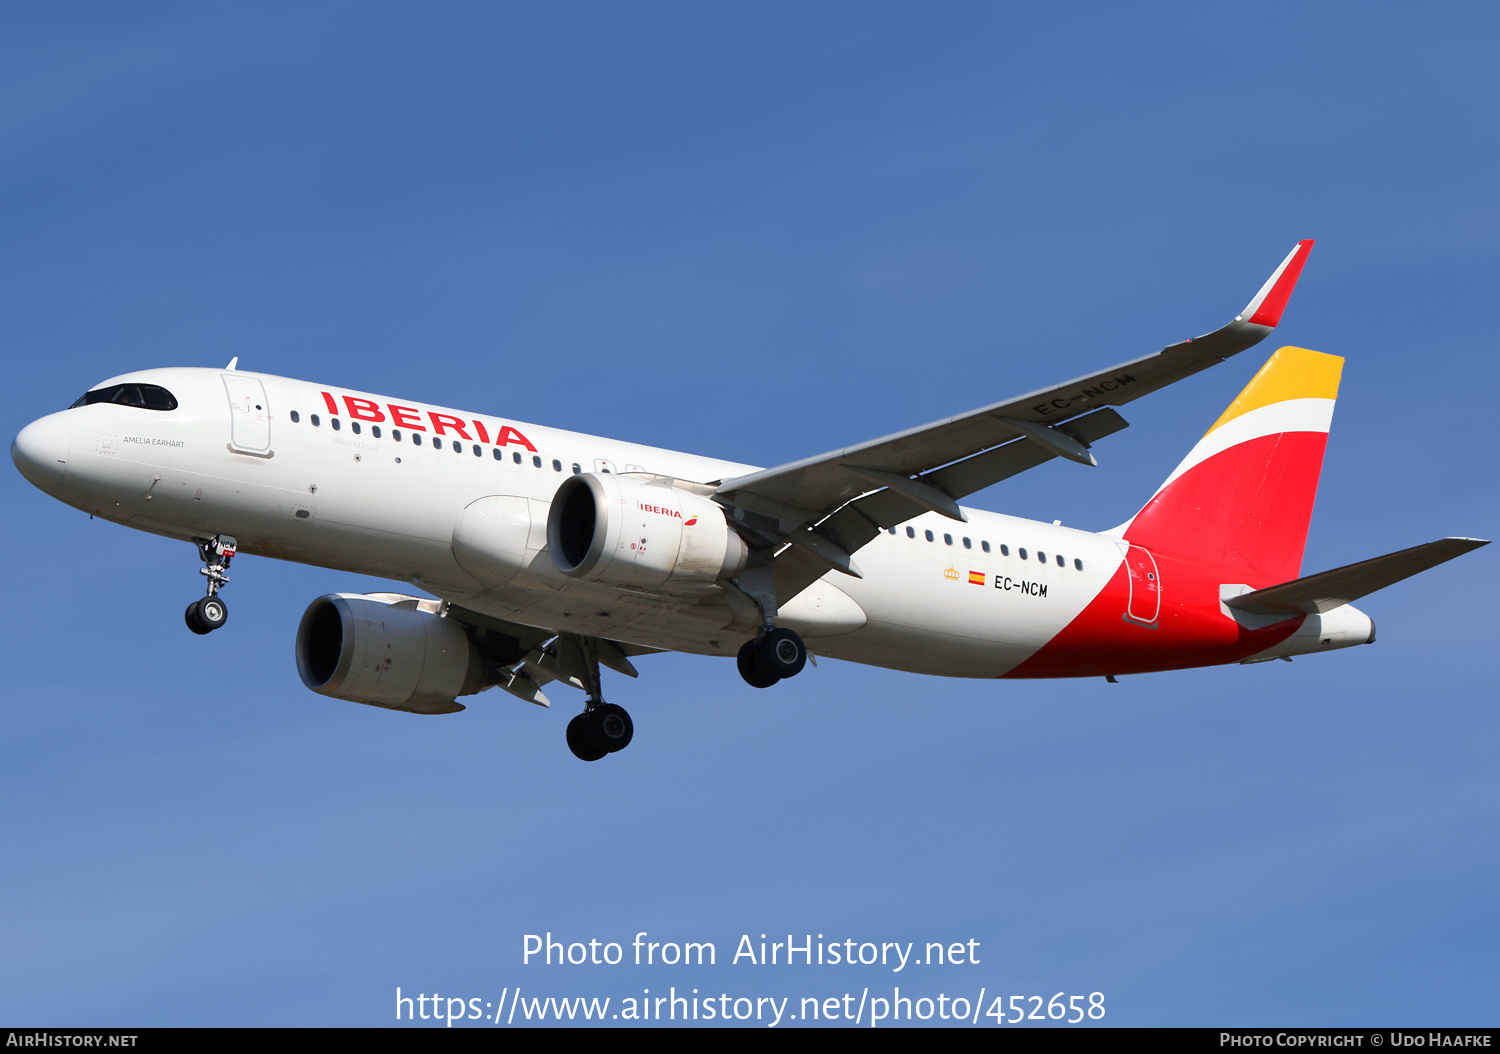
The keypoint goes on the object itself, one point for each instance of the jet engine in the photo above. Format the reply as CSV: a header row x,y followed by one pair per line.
x,y
389,650
649,535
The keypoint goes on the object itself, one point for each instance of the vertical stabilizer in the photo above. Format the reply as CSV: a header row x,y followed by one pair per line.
x,y
1242,499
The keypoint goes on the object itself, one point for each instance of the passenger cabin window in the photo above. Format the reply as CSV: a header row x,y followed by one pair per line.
x,y
143,396
556,465
536,460
375,431
395,435
416,440
1021,553
1078,564
968,544
911,532
929,535
333,423
985,546
516,456
315,420
297,417
1004,549
354,427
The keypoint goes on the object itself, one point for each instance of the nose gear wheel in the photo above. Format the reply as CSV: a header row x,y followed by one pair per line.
x,y
209,613
206,615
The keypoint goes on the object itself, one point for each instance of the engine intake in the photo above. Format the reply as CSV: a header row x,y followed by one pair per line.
x,y
626,532
385,649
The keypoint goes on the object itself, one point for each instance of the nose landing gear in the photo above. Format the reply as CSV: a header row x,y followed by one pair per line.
x,y
210,612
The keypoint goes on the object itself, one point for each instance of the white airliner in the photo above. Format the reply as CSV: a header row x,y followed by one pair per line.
x,y
550,553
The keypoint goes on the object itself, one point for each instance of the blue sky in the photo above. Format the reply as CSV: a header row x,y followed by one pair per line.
x,y
756,231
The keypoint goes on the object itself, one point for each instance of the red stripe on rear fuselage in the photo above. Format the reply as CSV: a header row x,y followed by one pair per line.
x,y
1238,518
1191,629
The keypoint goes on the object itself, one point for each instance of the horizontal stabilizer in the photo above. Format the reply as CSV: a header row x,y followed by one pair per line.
x,y
1327,590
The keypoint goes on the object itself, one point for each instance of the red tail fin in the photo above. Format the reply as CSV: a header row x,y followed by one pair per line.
x,y
1242,500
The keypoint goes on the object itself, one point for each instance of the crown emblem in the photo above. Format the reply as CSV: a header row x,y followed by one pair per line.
x,y
951,574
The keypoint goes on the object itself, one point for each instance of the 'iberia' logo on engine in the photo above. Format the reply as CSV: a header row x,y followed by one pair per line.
x,y
658,510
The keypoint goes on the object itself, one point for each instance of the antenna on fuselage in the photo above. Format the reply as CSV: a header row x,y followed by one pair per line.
x,y
233,363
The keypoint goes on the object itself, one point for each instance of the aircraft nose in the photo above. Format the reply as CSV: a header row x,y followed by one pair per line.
x,y
41,449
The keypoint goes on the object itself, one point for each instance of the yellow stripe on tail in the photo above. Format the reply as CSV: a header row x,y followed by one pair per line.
x,y
1291,373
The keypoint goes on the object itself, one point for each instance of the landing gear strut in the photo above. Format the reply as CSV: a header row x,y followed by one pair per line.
x,y
773,656
603,728
209,613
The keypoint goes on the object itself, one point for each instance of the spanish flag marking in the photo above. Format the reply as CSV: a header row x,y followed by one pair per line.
x,y
976,578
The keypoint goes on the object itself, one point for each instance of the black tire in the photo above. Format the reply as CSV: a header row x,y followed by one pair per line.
x,y
611,727
212,613
750,668
190,616
580,742
781,652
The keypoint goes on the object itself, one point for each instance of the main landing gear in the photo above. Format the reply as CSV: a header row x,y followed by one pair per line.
x,y
209,613
773,656
603,728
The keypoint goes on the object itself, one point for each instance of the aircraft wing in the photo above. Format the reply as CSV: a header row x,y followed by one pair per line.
x,y
830,505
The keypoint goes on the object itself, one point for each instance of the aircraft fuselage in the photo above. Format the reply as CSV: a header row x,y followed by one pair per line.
x,y
456,504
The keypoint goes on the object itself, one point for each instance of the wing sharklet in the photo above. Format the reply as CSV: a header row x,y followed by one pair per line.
x,y
1270,302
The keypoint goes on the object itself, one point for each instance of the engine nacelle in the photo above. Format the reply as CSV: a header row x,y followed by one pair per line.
x,y
626,532
389,650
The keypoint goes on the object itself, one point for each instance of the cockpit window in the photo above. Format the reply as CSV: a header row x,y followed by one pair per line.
x,y
145,396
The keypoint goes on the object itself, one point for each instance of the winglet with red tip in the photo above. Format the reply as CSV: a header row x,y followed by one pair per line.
x,y
1266,308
